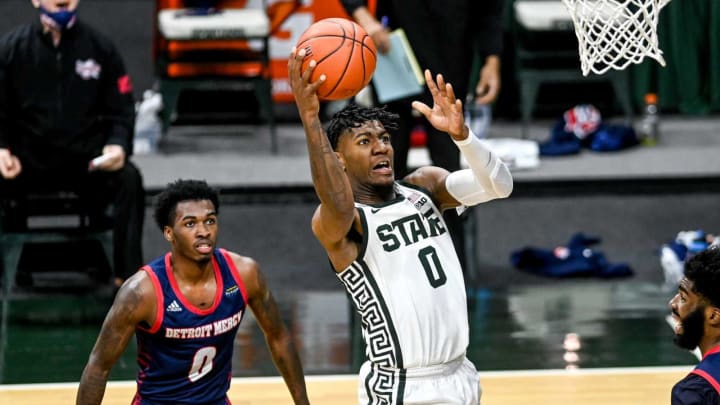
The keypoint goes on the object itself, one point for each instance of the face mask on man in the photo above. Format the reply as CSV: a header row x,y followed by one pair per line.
x,y
62,19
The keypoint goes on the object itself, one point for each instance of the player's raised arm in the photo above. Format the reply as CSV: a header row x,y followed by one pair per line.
x,y
336,213
134,303
488,178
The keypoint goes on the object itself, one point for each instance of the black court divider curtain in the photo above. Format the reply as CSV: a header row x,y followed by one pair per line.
x,y
689,35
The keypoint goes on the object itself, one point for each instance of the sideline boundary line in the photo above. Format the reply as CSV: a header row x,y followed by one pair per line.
x,y
348,377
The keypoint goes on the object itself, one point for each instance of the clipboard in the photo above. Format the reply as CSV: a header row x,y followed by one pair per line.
x,y
397,73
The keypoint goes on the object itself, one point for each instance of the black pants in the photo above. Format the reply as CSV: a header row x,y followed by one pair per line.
x,y
120,194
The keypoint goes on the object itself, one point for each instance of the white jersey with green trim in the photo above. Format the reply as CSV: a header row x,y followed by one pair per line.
x,y
407,283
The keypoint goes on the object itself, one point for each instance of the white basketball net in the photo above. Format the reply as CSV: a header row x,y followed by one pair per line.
x,y
615,33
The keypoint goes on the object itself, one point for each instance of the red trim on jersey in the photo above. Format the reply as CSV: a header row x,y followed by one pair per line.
x,y
708,378
235,273
714,350
227,399
192,308
159,301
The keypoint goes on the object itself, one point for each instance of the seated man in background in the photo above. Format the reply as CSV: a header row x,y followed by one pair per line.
x,y
65,100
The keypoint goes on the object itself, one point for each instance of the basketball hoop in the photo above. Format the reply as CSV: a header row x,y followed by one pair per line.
x,y
615,33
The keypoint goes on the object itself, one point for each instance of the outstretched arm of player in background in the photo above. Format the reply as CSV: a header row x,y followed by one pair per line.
x,y
278,338
133,304
335,215
488,178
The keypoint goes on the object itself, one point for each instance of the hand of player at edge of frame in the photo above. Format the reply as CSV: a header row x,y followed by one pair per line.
x,y
10,166
447,112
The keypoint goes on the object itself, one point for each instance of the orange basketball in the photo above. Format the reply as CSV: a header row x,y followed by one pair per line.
x,y
344,53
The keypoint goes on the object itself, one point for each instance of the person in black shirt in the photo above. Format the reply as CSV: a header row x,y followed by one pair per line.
x,y
445,36
696,310
65,100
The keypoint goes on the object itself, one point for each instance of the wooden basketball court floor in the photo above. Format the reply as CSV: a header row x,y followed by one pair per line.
x,y
588,344
608,386
584,344
615,333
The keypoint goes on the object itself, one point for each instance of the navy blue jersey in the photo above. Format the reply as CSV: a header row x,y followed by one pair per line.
x,y
185,356
701,386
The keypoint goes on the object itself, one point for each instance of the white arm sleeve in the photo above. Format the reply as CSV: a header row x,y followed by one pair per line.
x,y
488,178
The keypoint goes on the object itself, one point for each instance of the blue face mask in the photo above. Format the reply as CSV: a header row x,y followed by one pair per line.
x,y
62,19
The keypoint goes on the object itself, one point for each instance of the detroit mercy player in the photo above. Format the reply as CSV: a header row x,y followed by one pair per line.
x,y
185,309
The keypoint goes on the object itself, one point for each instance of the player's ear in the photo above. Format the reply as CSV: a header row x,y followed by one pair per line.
x,y
714,315
167,232
341,158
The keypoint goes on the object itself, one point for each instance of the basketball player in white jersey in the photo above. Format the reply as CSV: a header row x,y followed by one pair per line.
x,y
389,245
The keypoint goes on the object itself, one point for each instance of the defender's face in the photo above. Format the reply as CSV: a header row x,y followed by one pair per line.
x,y
194,230
54,6
368,154
688,310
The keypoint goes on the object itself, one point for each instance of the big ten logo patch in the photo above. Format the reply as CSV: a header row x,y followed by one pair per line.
x,y
418,200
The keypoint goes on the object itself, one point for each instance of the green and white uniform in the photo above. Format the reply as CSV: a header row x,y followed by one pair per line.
x,y
407,285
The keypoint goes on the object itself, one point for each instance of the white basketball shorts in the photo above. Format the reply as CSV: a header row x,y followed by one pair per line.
x,y
453,383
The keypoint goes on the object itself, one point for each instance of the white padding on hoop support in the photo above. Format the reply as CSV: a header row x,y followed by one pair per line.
x,y
612,34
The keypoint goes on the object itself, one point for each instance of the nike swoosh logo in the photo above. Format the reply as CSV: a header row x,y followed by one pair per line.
x,y
374,210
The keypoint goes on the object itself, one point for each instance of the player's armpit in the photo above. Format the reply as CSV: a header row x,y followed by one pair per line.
x,y
334,237
134,304
330,227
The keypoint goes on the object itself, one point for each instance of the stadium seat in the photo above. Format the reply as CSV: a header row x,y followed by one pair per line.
x,y
213,45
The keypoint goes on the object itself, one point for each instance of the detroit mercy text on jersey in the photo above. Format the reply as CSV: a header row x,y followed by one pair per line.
x,y
186,356
407,283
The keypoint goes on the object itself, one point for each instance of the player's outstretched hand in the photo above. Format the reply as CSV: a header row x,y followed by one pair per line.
x,y
446,113
304,91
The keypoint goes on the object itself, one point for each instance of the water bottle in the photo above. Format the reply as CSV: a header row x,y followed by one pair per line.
x,y
148,127
477,117
650,122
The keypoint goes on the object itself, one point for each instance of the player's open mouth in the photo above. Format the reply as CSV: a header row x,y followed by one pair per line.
x,y
383,167
204,248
